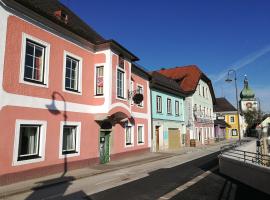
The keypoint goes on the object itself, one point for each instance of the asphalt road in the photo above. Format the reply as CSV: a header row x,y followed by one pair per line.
x,y
213,187
200,178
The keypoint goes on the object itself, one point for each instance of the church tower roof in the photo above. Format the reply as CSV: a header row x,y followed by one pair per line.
x,y
247,93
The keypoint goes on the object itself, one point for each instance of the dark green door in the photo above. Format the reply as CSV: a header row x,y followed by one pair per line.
x,y
104,147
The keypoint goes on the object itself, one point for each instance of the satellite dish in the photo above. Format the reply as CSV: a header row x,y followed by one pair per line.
x,y
137,98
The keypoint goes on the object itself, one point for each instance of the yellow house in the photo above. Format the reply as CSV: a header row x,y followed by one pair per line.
x,y
232,125
225,110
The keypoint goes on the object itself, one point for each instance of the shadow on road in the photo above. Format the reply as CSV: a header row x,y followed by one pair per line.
x,y
56,190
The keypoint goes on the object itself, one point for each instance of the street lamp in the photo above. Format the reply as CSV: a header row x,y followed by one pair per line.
x,y
229,80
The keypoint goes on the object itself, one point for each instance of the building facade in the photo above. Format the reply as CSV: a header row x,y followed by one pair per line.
x,y
198,103
226,111
168,116
66,94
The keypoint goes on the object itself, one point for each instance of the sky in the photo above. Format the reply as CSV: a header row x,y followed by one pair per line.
x,y
216,35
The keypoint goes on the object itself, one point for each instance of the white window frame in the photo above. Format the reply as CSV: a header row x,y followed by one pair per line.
x,y
132,135
137,90
78,138
234,130
95,80
79,92
169,100
45,83
42,142
177,108
124,84
143,134
159,104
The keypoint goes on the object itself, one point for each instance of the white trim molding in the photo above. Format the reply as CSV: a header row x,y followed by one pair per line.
x,y
42,142
131,137
95,79
143,134
45,83
78,138
79,92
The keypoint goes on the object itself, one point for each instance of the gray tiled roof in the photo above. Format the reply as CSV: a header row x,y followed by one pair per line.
x,y
223,105
46,8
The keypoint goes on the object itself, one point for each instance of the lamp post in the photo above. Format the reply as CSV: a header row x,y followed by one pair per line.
x,y
236,96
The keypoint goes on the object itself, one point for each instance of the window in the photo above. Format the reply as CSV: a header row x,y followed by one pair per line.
x,y
234,132
120,83
140,91
99,80
72,74
199,88
203,91
34,62
206,93
159,104
140,134
177,108
231,119
29,142
129,137
69,139
169,106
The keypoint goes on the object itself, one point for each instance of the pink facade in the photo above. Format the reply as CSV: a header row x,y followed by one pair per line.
x,y
50,107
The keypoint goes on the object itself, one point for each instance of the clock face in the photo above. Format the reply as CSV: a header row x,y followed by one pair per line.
x,y
249,105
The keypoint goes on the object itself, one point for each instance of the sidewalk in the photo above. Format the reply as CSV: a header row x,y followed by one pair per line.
x,y
114,165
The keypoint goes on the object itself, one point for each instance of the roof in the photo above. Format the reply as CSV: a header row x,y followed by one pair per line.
x,y
188,78
163,83
247,93
44,12
140,71
223,105
75,24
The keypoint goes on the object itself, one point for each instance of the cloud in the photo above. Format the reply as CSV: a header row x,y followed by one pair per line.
x,y
242,63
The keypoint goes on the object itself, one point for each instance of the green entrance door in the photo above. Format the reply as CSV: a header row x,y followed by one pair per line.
x,y
104,147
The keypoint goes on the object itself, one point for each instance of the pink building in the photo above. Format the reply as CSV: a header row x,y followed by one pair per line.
x,y
65,93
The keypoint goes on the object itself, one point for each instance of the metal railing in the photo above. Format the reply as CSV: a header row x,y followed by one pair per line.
x,y
245,156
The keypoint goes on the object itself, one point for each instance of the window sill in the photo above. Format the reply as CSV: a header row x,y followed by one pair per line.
x,y
99,96
23,158
121,98
28,161
69,154
140,143
34,83
129,145
73,92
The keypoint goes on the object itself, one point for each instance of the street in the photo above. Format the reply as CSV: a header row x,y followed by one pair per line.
x,y
164,179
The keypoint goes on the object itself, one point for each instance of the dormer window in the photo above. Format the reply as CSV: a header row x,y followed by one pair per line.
x,y
61,15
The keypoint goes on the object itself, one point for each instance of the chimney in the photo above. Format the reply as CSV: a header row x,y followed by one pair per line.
x,y
61,15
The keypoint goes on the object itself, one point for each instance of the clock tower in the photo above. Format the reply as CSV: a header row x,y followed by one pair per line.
x,y
248,100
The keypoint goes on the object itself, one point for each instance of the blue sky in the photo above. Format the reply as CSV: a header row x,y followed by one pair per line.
x,y
216,35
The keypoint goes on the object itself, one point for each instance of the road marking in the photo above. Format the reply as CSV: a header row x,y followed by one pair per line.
x,y
188,184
